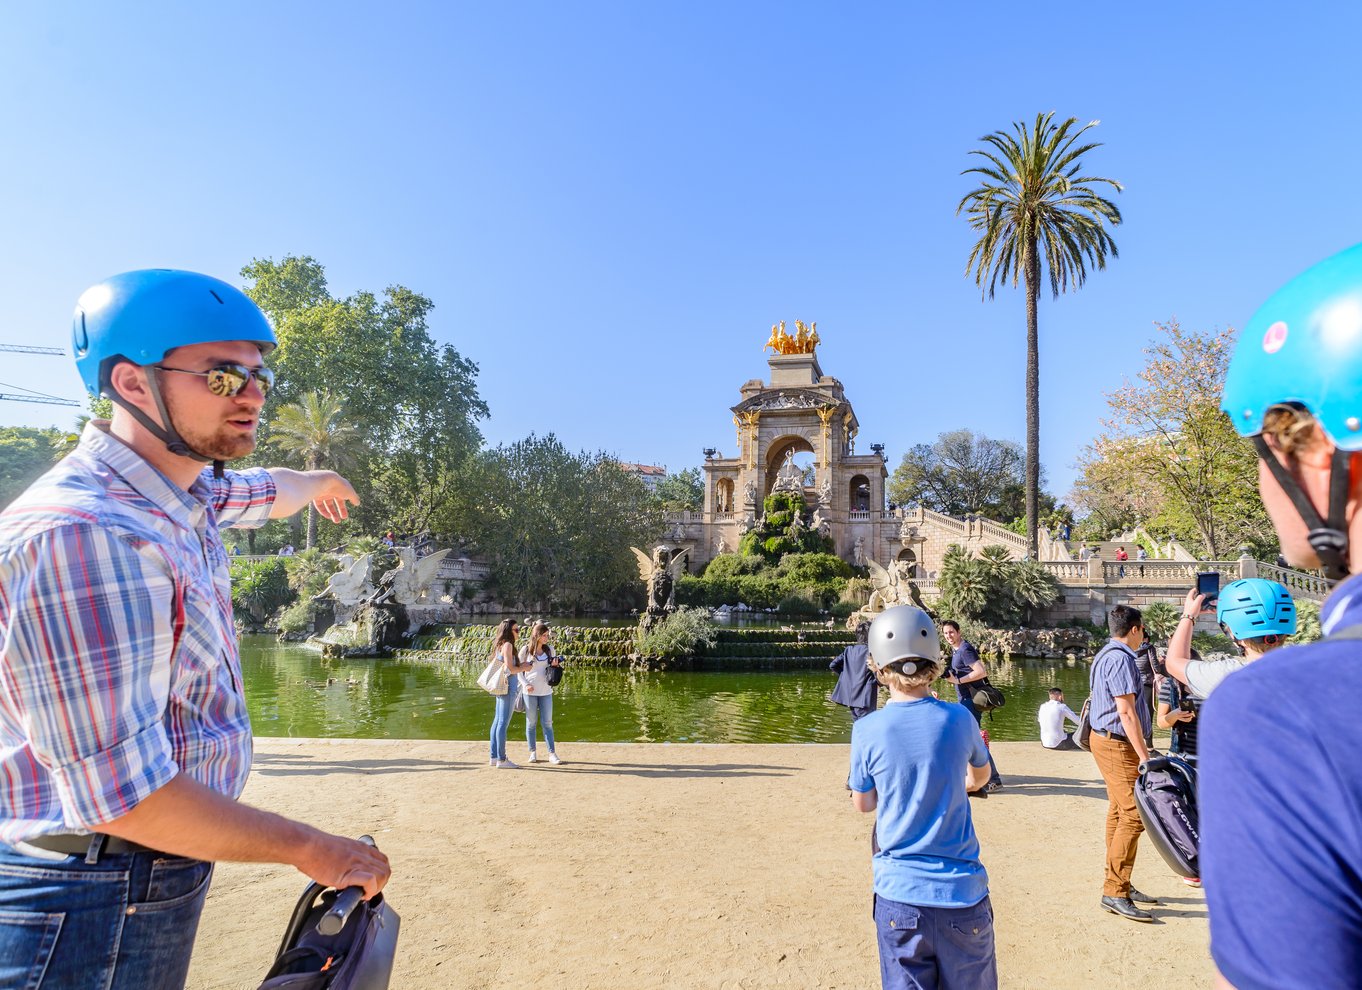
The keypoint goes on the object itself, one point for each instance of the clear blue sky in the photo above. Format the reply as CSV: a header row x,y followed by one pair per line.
x,y
619,199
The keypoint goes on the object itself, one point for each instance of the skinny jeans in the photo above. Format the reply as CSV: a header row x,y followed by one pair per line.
x,y
539,710
501,719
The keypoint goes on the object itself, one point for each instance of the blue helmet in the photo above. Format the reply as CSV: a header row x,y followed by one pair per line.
x,y
140,316
1255,607
1304,345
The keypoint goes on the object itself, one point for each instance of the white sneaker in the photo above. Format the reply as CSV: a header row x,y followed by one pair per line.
x,y
491,761
533,757
507,765
553,758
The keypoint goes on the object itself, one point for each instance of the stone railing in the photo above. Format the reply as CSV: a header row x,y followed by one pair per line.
x,y
684,517
463,569
1176,572
1299,583
1067,571
858,515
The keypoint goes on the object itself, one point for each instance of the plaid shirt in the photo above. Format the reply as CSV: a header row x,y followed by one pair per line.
x,y
118,656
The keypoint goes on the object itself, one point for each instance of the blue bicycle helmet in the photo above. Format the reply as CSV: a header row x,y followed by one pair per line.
x,y
1255,607
141,316
1304,348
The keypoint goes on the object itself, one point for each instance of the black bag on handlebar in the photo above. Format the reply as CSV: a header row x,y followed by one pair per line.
x,y
357,955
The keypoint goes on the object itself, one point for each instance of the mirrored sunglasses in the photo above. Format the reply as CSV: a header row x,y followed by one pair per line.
x,y
227,380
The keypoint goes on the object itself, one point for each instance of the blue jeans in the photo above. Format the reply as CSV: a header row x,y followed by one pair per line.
x,y
539,708
934,948
126,922
501,721
993,776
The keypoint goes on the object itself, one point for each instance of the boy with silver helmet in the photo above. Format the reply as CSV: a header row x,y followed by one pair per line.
x,y
1279,796
912,763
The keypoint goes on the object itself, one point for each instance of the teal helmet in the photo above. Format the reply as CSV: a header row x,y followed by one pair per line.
x,y
1255,607
143,315
1304,348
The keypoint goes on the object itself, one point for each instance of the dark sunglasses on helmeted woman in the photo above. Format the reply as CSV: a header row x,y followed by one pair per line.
x,y
227,380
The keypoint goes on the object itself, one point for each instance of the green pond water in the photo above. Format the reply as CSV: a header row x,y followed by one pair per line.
x,y
293,691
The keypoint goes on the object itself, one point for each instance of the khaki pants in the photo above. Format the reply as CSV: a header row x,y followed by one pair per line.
x,y
1120,768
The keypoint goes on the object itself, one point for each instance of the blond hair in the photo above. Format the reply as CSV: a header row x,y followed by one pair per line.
x,y
891,675
1293,429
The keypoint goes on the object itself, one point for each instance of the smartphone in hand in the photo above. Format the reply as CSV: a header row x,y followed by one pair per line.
x,y
1208,584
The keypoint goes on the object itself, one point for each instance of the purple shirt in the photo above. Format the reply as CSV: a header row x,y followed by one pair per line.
x,y
1114,673
118,655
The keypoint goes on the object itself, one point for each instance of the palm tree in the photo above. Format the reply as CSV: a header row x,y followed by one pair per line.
x,y
314,430
1034,196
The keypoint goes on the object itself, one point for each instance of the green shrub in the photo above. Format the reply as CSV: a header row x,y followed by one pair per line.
x,y
779,520
260,587
799,604
684,633
728,565
813,568
1205,643
1160,620
843,609
297,618
309,570
1307,622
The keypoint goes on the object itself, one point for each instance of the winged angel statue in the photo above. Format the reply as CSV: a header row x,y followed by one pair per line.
x,y
408,582
659,572
892,587
353,582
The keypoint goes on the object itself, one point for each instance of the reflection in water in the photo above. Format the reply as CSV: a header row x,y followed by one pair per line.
x,y
293,691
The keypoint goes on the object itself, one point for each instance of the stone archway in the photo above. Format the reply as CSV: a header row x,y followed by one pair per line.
x,y
723,496
910,558
858,493
775,457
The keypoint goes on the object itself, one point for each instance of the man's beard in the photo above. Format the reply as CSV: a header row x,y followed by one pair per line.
x,y
222,443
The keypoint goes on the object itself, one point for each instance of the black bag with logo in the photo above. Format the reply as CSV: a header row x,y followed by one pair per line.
x,y
1165,795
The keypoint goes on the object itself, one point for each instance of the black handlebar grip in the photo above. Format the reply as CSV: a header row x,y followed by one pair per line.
x,y
334,920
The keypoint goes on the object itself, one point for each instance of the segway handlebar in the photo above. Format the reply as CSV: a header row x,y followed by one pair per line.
x,y
346,901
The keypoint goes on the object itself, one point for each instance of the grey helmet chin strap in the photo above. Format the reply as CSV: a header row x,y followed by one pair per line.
x,y
1328,539
167,434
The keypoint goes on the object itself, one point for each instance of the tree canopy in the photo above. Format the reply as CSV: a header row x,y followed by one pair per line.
x,y
414,401
963,472
684,490
26,453
1169,459
555,526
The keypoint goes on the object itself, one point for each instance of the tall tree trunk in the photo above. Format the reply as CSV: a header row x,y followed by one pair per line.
x,y
1032,268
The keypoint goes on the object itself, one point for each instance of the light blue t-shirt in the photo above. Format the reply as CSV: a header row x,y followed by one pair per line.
x,y
914,754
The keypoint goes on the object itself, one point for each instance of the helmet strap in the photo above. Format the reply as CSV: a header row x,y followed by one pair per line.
x,y
1328,539
167,433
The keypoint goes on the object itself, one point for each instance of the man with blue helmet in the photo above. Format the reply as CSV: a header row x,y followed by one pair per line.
x,y
1256,613
1280,848
124,738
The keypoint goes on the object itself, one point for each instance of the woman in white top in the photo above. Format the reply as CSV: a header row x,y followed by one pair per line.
x,y
503,646
538,655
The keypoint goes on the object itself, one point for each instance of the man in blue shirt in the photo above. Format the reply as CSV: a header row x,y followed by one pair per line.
x,y
1281,846
966,670
1119,714
911,763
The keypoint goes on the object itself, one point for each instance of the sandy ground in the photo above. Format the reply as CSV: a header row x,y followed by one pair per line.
x,y
638,866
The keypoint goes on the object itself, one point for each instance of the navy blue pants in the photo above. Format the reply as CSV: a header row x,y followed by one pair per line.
x,y
934,948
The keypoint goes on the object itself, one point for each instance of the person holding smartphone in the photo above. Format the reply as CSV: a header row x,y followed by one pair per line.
x,y
1256,613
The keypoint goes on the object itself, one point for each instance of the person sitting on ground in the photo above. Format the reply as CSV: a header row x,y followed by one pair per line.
x,y
1051,718
857,688
912,763
1256,613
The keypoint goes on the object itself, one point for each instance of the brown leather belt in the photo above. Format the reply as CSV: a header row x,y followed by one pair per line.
x,y
92,847
1115,736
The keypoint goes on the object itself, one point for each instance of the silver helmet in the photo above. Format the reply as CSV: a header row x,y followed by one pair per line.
x,y
903,632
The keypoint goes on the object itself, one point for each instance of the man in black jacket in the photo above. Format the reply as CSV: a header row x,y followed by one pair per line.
x,y
856,687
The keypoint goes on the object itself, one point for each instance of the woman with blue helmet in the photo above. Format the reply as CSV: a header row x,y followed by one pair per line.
x,y
1257,614
1278,790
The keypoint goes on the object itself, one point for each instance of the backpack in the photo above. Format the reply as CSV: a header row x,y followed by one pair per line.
x,y
1084,731
986,697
